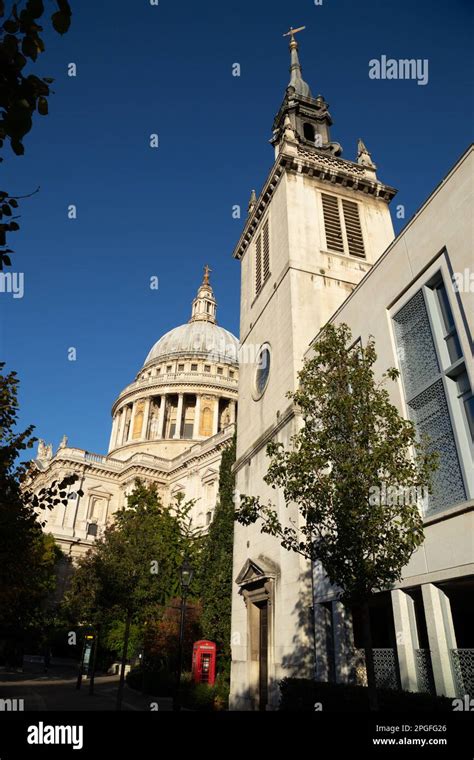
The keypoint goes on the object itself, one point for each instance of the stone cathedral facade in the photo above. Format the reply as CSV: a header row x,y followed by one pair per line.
x,y
318,246
169,427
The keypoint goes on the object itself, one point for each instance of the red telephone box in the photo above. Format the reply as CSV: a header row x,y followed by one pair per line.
x,y
204,662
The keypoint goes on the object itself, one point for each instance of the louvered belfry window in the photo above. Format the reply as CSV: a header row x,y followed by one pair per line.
x,y
355,242
332,223
258,264
342,226
266,251
262,257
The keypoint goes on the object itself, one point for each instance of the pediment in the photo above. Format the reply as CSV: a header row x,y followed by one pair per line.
x,y
99,491
254,572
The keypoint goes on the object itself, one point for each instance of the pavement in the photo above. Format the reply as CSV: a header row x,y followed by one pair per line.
x,y
56,690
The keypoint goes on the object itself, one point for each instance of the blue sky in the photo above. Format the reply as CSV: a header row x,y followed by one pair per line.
x,y
166,212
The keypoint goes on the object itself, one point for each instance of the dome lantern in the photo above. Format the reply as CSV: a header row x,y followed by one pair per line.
x,y
204,306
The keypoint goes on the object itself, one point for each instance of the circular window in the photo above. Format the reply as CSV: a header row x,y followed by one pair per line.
x,y
262,371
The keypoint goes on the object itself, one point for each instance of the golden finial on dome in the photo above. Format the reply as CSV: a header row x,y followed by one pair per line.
x,y
207,270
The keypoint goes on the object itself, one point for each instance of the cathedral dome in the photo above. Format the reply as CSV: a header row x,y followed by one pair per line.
x,y
197,338
185,392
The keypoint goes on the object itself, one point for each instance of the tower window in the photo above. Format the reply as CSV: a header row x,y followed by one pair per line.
x,y
258,265
180,367
207,368
262,257
332,223
308,132
194,367
219,370
355,242
342,226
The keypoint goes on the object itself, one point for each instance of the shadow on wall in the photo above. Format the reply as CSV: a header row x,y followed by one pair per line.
x,y
300,662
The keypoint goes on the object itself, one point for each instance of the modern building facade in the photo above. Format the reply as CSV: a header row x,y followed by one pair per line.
x,y
168,427
417,302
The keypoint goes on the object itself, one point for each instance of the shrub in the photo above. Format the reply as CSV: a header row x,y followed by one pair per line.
x,y
300,695
159,683
197,696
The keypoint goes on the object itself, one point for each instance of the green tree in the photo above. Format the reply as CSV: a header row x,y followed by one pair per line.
x,y
217,565
353,448
21,93
133,572
28,558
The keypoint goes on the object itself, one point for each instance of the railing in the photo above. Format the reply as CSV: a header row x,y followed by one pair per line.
x,y
462,661
385,665
140,458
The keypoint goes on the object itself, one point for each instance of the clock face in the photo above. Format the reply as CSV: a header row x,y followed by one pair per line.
x,y
262,370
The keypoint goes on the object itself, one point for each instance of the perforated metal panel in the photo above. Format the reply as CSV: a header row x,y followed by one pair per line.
x,y
463,667
385,666
430,414
426,399
417,353
424,671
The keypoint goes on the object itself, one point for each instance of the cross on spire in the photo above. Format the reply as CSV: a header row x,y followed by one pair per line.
x,y
292,32
296,81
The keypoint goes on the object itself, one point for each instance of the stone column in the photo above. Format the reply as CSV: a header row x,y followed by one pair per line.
x,y
132,420
343,643
197,416
215,419
179,414
233,406
161,416
123,412
146,415
406,635
441,637
113,433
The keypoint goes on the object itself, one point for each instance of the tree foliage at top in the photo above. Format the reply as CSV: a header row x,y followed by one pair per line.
x,y
22,93
353,444
217,561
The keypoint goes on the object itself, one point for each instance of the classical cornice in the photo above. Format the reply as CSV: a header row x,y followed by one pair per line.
x,y
145,465
154,387
314,163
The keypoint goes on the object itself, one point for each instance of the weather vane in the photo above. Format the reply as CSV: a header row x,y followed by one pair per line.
x,y
292,32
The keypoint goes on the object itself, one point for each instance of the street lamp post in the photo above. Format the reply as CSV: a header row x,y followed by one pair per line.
x,y
186,578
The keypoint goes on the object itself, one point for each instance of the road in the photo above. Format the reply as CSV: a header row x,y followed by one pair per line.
x,y
56,690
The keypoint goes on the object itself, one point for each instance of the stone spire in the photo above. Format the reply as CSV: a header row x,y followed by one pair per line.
x,y
296,81
303,120
363,155
204,305
252,202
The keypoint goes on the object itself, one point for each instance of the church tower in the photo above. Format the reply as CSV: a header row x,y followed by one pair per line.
x,y
318,225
